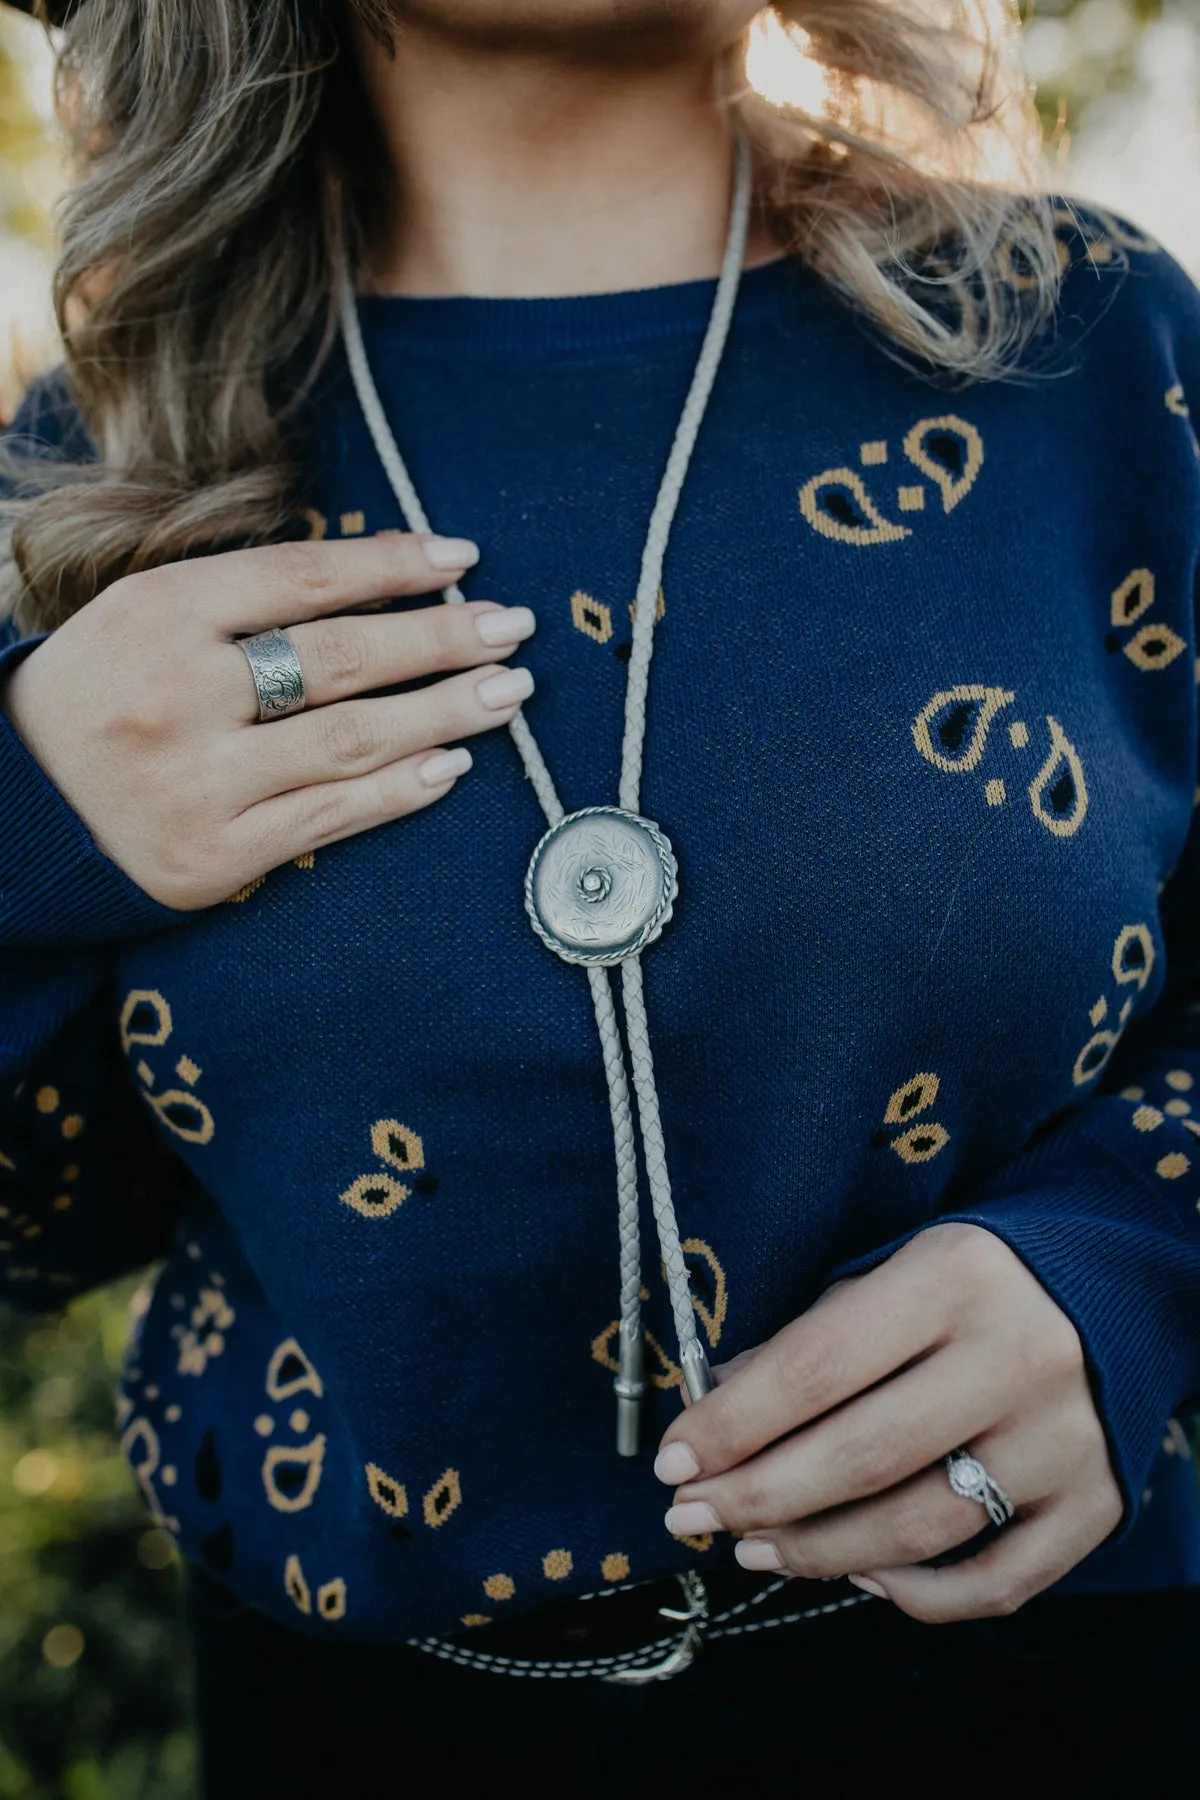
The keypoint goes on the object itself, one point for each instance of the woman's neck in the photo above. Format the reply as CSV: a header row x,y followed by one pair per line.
x,y
519,174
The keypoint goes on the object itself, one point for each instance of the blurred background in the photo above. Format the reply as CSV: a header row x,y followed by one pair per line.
x,y
93,1668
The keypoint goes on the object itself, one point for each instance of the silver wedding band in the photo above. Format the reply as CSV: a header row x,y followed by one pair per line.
x,y
969,1478
278,677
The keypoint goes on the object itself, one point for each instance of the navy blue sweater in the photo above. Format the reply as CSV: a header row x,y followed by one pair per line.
x,y
923,730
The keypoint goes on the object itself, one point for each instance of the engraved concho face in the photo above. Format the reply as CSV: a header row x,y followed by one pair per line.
x,y
601,885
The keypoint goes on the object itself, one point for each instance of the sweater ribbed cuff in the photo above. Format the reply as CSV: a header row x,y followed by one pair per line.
x,y
57,887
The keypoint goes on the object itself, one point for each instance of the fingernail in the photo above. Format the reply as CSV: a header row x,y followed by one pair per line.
x,y
508,688
511,625
759,1554
868,1586
692,1519
451,553
446,766
675,1464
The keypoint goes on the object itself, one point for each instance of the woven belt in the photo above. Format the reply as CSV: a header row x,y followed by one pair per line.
x,y
649,1631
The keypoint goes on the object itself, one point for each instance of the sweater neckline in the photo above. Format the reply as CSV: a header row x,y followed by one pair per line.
x,y
475,326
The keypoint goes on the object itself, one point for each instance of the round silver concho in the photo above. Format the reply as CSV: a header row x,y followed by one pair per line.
x,y
601,885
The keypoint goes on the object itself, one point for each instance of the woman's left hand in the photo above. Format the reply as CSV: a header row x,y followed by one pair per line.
x,y
824,1449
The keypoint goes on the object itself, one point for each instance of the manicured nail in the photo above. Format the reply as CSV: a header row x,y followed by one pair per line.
x,y
868,1586
511,625
676,1464
692,1519
446,766
759,1554
509,688
451,553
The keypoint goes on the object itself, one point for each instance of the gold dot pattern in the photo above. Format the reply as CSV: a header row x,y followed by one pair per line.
x,y
1172,1166
616,1566
1179,1079
47,1100
499,1587
557,1564
1147,1118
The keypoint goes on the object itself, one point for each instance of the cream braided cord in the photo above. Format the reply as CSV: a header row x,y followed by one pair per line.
x,y
629,1381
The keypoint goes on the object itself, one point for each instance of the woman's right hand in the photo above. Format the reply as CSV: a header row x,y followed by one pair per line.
x,y
143,711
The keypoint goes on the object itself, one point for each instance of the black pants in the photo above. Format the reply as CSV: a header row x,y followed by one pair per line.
x,y
1079,1696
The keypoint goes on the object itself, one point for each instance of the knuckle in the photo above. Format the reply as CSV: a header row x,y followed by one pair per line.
x,y
974,1255
444,629
323,814
304,566
925,1610
917,1538
1060,1351
339,652
749,1505
349,740
862,1464
1004,1604
801,1558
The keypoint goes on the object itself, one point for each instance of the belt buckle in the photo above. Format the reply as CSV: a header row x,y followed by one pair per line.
x,y
694,1619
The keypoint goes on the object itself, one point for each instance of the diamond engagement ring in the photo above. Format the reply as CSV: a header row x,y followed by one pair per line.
x,y
278,677
969,1478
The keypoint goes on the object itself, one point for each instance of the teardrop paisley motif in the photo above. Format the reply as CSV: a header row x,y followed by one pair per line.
x,y
145,1018
958,716
950,452
443,1498
1132,963
914,1097
295,1586
1134,597
183,1114
290,1372
140,1448
391,1495
666,1374
1058,792
331,1599
291,1476
1153,647
921,1143
837,504
1093,1058
375,1196
396,1145
713,1316
1133,955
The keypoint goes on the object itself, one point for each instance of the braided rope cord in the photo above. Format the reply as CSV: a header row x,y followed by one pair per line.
x,y
692,1357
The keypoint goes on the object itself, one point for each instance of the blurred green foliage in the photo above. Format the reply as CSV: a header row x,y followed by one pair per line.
x,y
94,1670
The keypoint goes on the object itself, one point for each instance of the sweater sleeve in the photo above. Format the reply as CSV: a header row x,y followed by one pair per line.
x,y
1103,1203
85,1192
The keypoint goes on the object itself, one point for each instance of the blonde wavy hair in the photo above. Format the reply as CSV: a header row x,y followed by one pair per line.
x,y
217,146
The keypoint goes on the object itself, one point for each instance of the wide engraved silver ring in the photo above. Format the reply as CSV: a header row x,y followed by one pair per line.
x,y
278,677
969,1478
